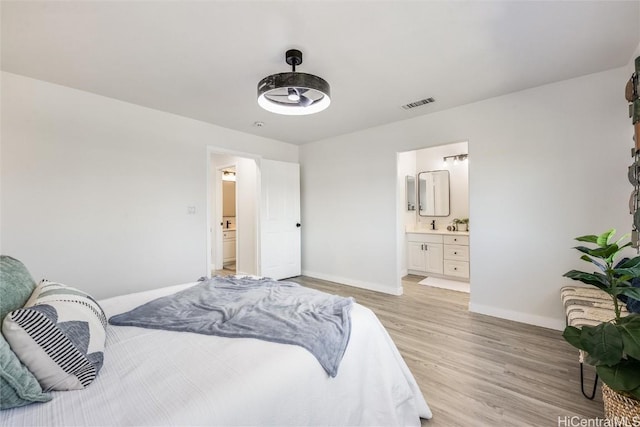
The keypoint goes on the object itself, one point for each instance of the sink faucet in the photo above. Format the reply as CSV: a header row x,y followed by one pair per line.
x,y
433,224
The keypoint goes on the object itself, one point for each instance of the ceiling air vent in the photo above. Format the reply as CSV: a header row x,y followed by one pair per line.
x,y
418,103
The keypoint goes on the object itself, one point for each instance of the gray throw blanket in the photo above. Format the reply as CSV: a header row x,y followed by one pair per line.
x,y
282,312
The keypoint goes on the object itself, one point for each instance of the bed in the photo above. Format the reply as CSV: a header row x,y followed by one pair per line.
x,y
155,377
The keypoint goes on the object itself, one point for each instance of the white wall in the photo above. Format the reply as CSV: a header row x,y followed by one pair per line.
x,y
95,191
430,159
406,167
546,164
631,66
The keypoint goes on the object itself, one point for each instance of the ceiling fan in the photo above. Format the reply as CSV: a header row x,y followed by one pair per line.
x,y
293,93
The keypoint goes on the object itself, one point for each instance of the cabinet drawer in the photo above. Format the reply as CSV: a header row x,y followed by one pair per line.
x,y
456,268
456,252
456,240
424,237
229,235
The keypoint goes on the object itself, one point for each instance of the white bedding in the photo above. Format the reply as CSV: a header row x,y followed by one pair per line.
x,y
154,378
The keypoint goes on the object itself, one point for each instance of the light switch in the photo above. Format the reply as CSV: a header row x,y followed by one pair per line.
x,y
191,210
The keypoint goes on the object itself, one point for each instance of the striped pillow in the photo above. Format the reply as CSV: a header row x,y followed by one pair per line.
x,y
59,335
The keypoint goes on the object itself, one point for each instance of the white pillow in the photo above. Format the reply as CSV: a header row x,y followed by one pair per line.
x,y
59,335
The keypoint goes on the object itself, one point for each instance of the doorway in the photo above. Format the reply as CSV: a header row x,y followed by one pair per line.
x,y
433,203
267,215
233,214
229,224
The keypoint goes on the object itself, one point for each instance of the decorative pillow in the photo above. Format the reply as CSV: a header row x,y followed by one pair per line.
x,y
18,386
59,335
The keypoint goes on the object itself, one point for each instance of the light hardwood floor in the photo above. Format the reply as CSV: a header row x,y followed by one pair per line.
x,y
477,370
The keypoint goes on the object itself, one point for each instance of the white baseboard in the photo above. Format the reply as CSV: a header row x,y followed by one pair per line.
x,y
531,319
352,282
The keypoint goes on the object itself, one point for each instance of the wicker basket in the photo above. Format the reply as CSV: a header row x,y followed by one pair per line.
x,y
618,406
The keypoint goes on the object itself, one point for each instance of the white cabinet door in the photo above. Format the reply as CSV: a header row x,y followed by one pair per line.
x,y
229,250
433,258
416,259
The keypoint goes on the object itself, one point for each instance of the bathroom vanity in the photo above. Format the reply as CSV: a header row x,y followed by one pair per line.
x,y
229,246
438,253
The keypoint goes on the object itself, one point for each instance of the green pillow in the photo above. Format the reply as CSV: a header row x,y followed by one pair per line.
x,y
18,386
16,285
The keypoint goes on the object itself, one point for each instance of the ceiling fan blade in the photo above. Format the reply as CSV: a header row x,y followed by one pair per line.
x,y
302,90
277,96
305,101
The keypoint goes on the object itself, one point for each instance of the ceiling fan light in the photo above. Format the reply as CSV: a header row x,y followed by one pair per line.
x,y
293,95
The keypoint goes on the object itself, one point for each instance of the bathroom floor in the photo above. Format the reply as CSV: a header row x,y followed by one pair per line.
x,y
227,270
453,285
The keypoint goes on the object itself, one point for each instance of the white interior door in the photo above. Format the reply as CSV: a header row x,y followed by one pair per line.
x,y
279,219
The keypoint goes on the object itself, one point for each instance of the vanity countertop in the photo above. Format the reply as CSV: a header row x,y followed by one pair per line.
x,y
442,231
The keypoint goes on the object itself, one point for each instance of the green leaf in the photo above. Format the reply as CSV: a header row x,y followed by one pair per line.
x,y
622,376
598,280
630,263
622,238
602,252
635,392
626,245
585,250
593,261
606,253
622,280
631,318
589,239
628,271
572,335
602,342
603,239
630,332
630,292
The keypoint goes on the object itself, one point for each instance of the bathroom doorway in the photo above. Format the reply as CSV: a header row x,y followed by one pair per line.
x,y
233,210
229,224
433,189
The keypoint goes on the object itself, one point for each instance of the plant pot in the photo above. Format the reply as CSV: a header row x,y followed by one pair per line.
x,y
618,406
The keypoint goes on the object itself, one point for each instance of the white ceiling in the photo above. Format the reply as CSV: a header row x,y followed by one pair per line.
x,y
203,59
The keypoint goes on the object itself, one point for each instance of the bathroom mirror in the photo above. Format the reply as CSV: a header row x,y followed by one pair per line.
x,y
411,192
433,193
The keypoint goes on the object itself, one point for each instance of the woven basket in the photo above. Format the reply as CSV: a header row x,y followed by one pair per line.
x,y
617,406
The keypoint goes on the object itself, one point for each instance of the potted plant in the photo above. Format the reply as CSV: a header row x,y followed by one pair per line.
x,y
613,347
